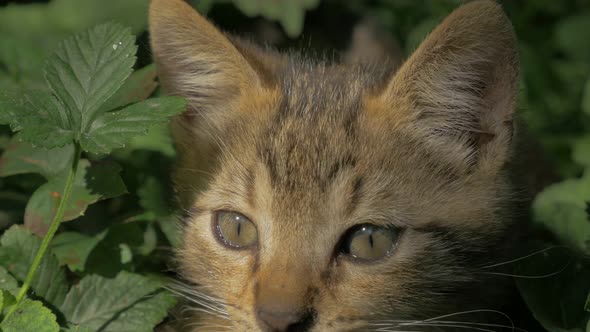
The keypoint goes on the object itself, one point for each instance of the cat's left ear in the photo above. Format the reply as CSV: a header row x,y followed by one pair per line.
x,y
458,90
197,61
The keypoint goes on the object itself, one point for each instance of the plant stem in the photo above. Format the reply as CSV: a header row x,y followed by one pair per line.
x,y
50,233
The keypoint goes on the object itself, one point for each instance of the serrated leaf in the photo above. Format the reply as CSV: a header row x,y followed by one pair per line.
x,y
22,158
92,183
72,249
129,302
37,117
145,314
113,130
139,86
87,69
561,207
31,316
17,251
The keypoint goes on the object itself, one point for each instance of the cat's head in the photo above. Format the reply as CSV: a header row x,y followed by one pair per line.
x,y
333,197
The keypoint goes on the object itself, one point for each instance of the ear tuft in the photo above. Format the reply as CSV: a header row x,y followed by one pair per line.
x,y
459,88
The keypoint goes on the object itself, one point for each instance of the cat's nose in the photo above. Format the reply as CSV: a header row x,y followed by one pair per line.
x,y
284,321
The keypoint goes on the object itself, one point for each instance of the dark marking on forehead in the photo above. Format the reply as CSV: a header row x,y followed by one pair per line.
x,y
315,128
348,161
250,181
356,194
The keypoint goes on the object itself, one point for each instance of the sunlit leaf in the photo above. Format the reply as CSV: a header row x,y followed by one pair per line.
x,y
132,303
31,316
88,68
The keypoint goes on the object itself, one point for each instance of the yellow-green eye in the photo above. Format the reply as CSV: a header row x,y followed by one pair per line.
x,y
369,242
234,229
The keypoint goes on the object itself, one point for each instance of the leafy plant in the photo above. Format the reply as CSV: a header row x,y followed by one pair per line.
x,y
92,129
91,106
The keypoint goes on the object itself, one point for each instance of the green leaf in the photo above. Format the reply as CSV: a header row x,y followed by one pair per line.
x,y
139,86
37,116
144,314
129,302
21,158
31,316
113,129
92,183
87,69
557,293
72,249
157,139
587,306
561,207
17,251
7,282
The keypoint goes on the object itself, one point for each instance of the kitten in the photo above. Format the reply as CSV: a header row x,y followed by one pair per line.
x,y
344,197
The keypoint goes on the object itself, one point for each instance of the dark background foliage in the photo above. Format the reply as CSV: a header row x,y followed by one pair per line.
x,y
138,228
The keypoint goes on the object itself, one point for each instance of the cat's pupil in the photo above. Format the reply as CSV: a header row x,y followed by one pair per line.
x,y
234,230
369,242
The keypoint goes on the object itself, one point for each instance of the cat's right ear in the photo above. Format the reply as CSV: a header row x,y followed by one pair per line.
x,y
197,61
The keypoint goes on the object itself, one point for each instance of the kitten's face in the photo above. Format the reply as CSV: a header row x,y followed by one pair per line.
x,y
340,197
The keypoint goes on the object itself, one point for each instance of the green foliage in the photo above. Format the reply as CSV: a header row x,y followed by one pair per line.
x,y
85,122
132,303
562,208
31,316
91,105
290,13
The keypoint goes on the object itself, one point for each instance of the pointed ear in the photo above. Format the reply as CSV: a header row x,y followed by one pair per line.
x,y
458,90
197,61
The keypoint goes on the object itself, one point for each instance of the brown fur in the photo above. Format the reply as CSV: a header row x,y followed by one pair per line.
x,y
307,150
